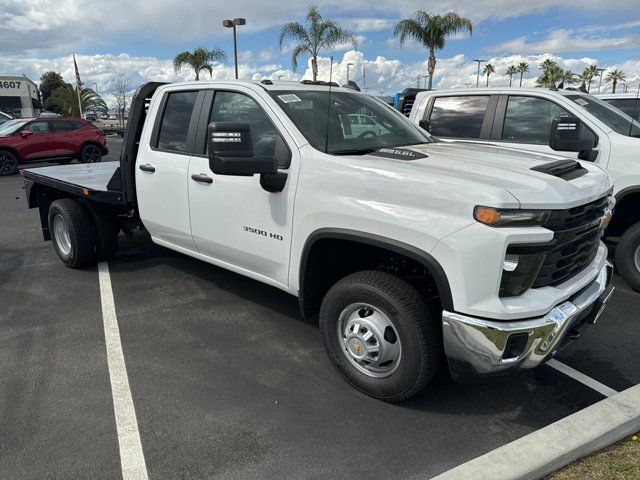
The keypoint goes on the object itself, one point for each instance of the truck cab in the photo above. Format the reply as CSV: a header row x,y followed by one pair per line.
x,y
522,118
404,246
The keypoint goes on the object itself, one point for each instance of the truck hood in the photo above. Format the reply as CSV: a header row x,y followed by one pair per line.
x,y
495,167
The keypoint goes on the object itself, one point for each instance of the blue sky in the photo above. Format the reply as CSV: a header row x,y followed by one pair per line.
x,y
121,38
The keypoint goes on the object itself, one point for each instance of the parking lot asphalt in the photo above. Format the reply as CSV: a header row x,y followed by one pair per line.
x,y
229,382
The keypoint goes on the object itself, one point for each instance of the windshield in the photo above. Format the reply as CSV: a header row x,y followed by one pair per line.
x,y
618,121
357,123
10,127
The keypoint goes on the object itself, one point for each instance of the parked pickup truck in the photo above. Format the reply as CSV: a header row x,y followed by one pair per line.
x,y
524,118
407,247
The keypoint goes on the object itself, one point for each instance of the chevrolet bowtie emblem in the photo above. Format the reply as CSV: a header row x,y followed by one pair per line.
x,y
356,347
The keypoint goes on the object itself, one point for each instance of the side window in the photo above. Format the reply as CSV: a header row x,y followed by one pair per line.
x,y
627,105
38,127
57,127
174,126
353,120
237,107
528,120
367,120
459,116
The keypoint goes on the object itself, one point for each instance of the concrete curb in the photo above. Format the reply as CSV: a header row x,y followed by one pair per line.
x,y
554,446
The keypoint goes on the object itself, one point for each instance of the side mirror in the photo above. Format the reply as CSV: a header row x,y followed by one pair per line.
x,y
231,151
425,125
25,133
565,135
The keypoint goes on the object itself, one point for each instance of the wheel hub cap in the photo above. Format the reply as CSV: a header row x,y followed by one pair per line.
x,y
62,234
369,340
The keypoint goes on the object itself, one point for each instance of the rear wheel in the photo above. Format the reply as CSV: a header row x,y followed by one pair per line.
x,y
90,153
380,335
72,233
628,256
8,163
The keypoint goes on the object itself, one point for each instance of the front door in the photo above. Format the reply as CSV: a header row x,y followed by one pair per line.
x,y
38,144
162,165
234,221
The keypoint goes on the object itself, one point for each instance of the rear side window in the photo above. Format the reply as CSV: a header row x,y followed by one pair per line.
x,y
458,117
62,127
528,120
628,105
174,126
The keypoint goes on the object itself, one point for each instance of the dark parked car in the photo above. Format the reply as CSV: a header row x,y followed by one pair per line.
x,y
53,139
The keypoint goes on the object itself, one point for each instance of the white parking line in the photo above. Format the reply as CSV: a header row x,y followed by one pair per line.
x,y
131,454
582,378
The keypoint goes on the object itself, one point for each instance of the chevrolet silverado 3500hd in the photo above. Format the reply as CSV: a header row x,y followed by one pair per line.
x,y
406,247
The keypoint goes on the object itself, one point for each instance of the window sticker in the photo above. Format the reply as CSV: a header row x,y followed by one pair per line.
x,y
581,102
290,98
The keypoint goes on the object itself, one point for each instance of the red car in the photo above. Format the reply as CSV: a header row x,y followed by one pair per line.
x,y
61,140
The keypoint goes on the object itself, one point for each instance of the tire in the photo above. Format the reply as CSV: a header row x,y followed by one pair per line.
x,y
363,300
90,153
8,163
107,229
628,256
72,233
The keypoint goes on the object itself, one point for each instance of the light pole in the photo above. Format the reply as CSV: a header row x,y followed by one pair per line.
x,y
94,83
425,80
232,24
600,70
348,65
479,61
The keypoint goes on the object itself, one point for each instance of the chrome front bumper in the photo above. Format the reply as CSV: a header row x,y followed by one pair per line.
x,y
476,346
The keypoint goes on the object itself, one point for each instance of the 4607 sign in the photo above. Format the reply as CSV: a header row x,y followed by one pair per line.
x,y
8,84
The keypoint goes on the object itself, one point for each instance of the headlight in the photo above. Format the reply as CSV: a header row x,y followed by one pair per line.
x,y
496,217
518,273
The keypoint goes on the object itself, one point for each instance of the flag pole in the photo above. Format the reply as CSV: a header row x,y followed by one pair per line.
x,y
78,84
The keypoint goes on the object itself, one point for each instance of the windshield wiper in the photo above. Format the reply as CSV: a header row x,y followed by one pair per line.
x,y
355,151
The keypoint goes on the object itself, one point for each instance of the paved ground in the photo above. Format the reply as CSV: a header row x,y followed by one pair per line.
x,y
229,382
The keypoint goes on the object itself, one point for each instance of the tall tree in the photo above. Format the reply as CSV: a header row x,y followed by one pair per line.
x,y
432,32
615,76
588,75
511,71
547,64
49,81
319,33
488,70
198,60
523,67
551,75
64,100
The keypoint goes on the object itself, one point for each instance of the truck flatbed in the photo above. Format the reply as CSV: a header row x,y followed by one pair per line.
x,y
90,180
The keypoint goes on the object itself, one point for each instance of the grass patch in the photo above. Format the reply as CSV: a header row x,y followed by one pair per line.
x,y
620,461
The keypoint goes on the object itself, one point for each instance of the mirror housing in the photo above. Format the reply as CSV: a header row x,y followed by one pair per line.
x,y
25,133
231,151
566,136
425,125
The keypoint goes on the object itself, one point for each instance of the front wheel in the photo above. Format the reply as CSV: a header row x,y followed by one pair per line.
x,y
380,335
8,163
628,256
90,154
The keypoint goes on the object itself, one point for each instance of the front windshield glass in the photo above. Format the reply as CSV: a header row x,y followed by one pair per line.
x,y
10,127
618,121
356,123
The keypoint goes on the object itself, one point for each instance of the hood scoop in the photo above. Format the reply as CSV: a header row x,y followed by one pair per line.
x,y
565,169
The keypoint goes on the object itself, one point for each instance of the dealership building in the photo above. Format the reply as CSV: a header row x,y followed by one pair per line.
x,y
19,97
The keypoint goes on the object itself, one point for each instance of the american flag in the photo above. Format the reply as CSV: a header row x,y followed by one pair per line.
x,y
78,82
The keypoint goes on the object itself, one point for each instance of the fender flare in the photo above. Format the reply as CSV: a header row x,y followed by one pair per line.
x,y
420,256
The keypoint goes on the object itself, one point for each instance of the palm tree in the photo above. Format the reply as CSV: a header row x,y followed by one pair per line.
x,y
587,76
615,76
432,32
316,35
200,59
511,71
488,70
523,67
64,100
550,76
548,64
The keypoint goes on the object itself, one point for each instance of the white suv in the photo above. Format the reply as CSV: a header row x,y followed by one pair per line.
x,y
522,118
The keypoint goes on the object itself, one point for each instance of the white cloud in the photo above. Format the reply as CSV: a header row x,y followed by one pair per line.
x,y
56,26
370,24
565,40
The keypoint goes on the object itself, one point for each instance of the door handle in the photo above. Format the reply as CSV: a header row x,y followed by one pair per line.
x,y
201,177
147,167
